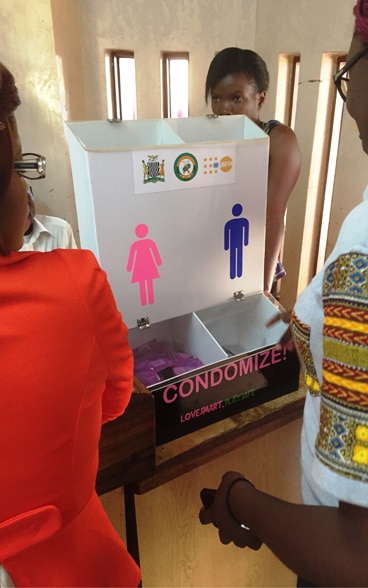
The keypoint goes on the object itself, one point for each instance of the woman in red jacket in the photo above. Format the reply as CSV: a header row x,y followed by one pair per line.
x,y
65,368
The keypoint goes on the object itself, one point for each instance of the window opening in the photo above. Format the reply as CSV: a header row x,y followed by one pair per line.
x,y
322,171
175,84
286,105
287,88
121,86
331,169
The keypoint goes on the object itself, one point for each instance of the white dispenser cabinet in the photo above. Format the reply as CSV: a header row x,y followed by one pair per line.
x,y
174,210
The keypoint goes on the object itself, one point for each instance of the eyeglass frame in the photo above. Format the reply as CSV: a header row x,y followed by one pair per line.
x,y
339,77
38,164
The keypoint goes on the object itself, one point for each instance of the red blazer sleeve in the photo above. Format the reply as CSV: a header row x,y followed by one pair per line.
x,y
110,330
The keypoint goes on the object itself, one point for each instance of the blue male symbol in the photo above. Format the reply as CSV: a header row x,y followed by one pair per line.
x,y
236,236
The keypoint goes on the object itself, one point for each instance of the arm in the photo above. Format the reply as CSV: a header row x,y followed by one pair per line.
x,y
286,340
326,546
110,332
226,237
155,252
246,232
283,172
71,241
131,258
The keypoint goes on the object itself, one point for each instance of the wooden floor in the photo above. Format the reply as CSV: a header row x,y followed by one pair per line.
x,y
177,551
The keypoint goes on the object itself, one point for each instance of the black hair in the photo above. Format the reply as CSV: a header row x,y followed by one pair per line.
x,y
234,60
9,97
9,101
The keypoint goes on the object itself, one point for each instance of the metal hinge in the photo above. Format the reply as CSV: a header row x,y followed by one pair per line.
x,y
143,323
239,295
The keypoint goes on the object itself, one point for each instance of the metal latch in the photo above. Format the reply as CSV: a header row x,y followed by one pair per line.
x,y
143,323
239,295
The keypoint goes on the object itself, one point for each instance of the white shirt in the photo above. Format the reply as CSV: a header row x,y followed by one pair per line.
x,y
321,484
49,232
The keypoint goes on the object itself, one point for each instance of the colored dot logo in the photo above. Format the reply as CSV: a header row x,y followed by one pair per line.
x,y
211,165
185,167
226,163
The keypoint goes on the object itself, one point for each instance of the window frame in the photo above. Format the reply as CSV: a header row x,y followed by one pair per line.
x,y
113,84
166,57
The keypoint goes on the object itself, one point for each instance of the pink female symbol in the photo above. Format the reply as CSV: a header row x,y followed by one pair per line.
x,y
143,260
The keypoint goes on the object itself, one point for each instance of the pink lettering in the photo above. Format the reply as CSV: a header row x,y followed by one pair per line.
x,y
246,366
231,367
213,380
276,355
264,358
190,415
202,383
193,414
215,377
189,384
166,394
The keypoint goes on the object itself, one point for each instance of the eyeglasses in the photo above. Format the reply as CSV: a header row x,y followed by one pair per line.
x,y
341,79
32,166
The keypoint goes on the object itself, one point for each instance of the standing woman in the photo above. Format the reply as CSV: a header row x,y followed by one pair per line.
x,y
237,82
324,541
65,369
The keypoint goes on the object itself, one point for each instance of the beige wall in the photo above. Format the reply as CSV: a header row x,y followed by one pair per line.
x,y
310,28
149,27
56,50
27,48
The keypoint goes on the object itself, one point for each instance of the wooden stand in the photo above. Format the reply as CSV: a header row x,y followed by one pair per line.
x,y
129,458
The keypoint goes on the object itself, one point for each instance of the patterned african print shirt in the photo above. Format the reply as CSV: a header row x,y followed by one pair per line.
x,y
330,329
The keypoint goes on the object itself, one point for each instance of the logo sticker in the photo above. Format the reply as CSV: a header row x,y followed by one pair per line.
x,y
211,165
226,163
185,167
153,170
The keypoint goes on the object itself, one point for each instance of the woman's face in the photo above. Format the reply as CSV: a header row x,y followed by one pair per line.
x,y
357,93
237,94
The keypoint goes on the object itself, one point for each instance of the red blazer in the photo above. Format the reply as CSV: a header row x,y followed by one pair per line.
x,y
65,368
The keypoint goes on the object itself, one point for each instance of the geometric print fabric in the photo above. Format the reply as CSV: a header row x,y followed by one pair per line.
x,y
342,443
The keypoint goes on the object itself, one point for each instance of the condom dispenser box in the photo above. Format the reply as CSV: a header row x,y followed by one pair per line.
x,y
174,210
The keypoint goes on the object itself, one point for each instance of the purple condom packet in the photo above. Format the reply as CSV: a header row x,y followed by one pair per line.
x,y
156,361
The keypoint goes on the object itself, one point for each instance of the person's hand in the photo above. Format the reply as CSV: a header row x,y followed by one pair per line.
x,y
218,514
286,341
